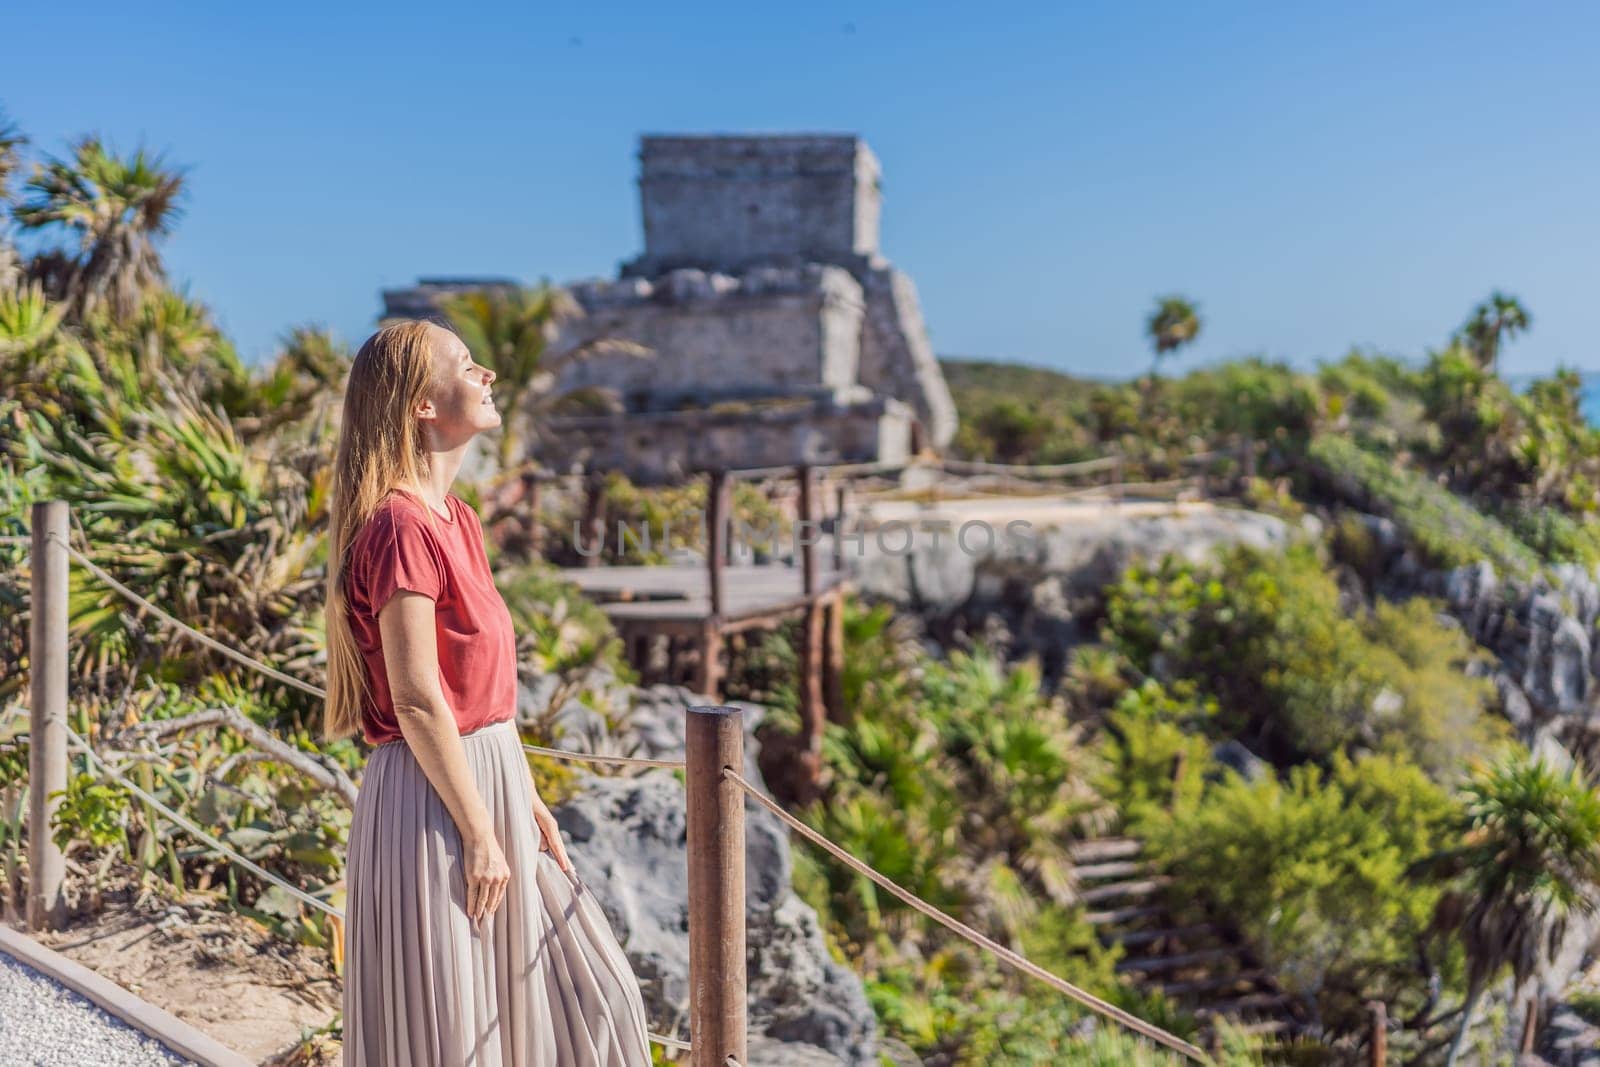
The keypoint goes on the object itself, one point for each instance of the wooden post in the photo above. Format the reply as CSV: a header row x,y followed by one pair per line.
x,y
812,711
714,739
1530,1023
1116,478
594,518
1247,460
1378,1043
833,660
47,738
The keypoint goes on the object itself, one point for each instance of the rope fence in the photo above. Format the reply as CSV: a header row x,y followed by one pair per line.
x,y
716,848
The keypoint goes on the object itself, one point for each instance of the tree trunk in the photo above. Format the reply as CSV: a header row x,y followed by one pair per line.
x,y
1473,993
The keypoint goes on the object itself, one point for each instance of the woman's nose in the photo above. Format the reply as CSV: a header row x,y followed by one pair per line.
x,y
488,376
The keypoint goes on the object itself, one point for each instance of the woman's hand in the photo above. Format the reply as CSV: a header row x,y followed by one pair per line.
x,y
551,833
487,876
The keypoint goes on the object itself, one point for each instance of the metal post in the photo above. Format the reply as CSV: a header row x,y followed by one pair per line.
x,y
47,739
1530,1023
716,536
594,519
840,501
833,660
714,739
812,713
535,530
1378,1045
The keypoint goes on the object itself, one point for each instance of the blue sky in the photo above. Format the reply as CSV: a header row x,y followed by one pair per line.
x,y
1313,177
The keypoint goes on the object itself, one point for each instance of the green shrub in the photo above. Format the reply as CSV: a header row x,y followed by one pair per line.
x,y
1262,636
1447,530
1156,751
1313,873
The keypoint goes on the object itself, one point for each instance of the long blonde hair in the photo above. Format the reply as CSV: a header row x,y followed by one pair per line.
x,y
381,445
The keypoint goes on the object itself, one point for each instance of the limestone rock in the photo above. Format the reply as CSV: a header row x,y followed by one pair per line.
x,y
627,839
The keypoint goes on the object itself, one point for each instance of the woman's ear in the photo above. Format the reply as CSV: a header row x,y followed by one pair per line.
x,y
426,410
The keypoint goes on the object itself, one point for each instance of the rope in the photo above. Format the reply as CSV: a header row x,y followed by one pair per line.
x,y
561,753
217,846
289,679
1018,961
254,868
1048,470
190,631
1087,999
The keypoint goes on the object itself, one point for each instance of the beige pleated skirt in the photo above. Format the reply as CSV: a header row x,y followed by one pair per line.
x,y
541,983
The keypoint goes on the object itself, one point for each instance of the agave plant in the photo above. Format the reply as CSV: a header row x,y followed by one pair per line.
x,y
172,504
1026,775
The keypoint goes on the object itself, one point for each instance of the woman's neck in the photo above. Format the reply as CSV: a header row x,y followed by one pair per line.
x,y
437,475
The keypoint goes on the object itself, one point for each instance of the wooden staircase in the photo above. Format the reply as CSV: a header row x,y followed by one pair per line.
x,y
1197,965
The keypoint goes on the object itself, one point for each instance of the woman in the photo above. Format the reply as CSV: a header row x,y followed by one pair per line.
x,y
470,939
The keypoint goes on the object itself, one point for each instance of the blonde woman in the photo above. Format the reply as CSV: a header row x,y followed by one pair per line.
x,y
470,939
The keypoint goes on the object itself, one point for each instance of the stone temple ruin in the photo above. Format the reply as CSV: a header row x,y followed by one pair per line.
x,y
781,335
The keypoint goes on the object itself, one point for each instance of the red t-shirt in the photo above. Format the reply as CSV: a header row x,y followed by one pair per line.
x,y
399,549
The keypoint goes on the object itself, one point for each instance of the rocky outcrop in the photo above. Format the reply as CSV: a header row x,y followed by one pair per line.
x,y
1542,633
1026,593
1570,1039
627,839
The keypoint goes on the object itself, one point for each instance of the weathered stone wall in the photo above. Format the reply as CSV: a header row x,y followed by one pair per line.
x,y
660,448
768,330
760,278
720,202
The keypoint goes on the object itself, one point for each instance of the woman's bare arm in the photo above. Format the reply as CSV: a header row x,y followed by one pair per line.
x,y
411,658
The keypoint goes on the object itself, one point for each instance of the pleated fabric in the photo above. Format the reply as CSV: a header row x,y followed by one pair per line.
x,y
541,983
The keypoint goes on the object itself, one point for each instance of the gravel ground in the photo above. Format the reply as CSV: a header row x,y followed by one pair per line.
x,y
44,1025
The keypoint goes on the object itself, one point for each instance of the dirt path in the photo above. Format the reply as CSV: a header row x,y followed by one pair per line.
x,y
218,972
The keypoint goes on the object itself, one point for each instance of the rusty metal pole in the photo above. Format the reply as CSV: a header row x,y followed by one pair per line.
x,y
708,680
1530,1024
813,715
714,739
1378,1045
716,536
840,501
833,660
47,738
534,502
594,519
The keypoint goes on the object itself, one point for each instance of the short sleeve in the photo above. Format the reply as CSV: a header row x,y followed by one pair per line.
x,y
403,555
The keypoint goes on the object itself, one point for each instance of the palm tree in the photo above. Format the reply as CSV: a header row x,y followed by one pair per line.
x,y
1529,858
513,331
1497,319
1173,324
11,142
116,208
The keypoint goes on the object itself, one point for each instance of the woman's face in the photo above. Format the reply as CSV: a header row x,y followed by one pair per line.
x,y
459,404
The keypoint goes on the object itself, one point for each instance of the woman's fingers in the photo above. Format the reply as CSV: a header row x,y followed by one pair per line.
x,y
550,831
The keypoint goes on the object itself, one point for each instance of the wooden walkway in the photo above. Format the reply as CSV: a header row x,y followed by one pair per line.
x,y
679,594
